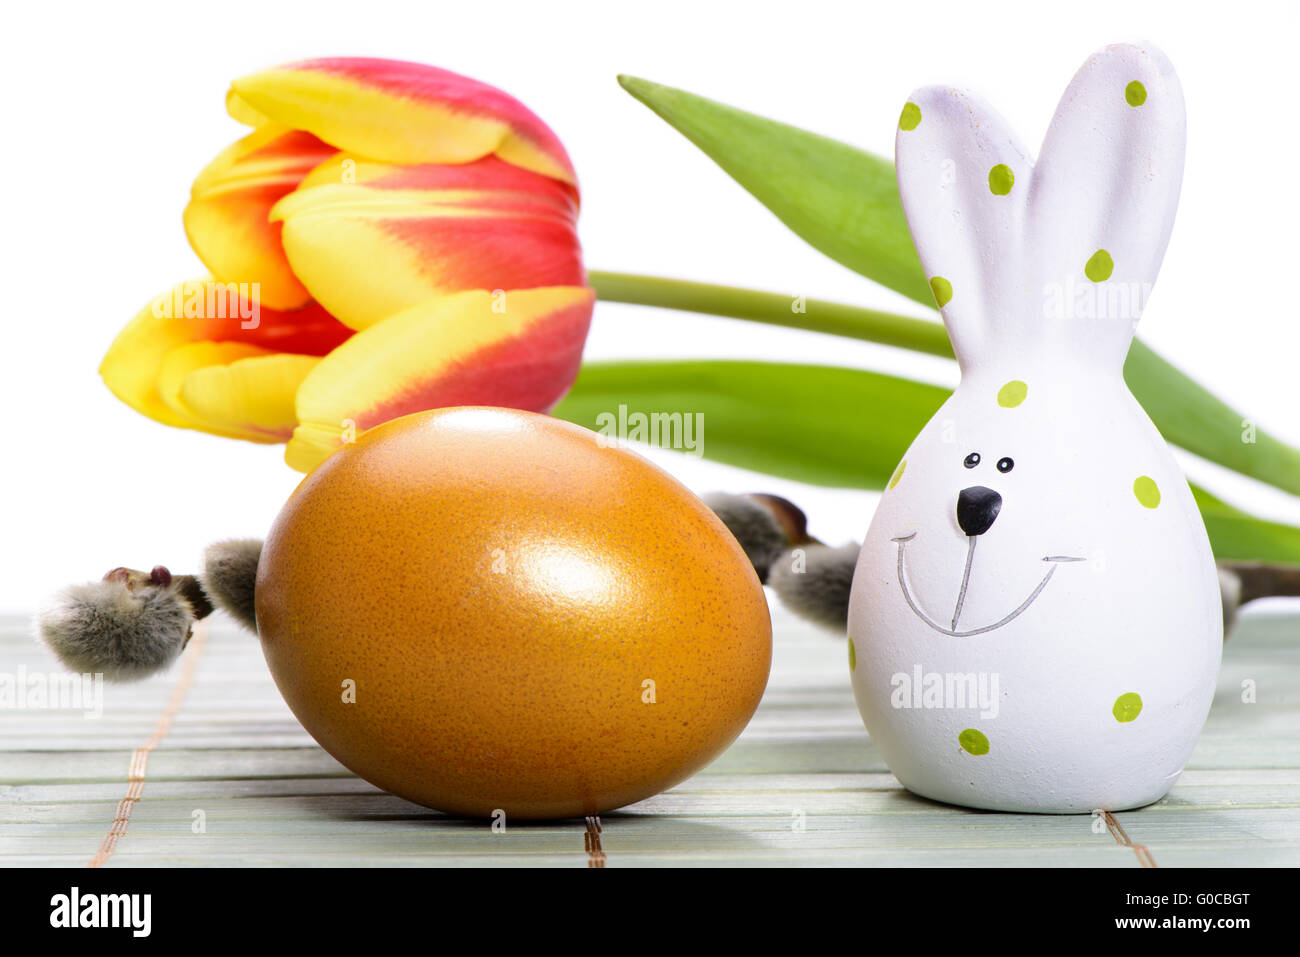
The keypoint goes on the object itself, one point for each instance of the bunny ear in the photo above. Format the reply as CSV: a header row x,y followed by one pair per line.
x,y
964,182
1056,258
1104,194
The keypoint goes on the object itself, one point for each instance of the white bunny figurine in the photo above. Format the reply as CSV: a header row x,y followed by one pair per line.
x,y
1035,621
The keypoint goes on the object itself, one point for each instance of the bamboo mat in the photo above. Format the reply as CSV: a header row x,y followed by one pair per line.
x,y
205,766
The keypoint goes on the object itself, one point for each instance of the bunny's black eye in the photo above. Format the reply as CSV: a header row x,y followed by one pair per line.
x,y
1005,465
972,460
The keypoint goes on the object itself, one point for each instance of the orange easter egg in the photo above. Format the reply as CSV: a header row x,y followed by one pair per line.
x,y
486,610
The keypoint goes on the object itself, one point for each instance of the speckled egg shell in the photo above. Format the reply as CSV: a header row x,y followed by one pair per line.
x,y
484,610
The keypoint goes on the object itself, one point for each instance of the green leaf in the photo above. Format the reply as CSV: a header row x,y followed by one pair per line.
x,y
841,200
818,424
1189,415
844,202
824,425
1185,412
1238,536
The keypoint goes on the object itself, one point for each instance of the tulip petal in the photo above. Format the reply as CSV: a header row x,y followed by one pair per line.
x,y
241,112
519,349
227,217
401,112
250,397
205,311
424,232
180,362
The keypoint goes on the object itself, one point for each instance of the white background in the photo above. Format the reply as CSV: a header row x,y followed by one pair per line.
x,y
111,109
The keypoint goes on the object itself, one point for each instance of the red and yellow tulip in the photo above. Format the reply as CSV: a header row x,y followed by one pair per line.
x,y
391,237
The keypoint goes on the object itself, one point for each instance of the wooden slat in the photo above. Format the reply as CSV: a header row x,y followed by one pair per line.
x,y
802,786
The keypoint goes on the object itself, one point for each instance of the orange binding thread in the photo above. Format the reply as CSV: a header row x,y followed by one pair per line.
x,y
591,841
140,757
1121,838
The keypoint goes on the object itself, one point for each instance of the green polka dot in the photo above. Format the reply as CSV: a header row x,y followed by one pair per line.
x,y
1001,179
1147,491
898,473
1012,394
942,290
1135,94
973,742
853,657
1127,707
1099,266
910,118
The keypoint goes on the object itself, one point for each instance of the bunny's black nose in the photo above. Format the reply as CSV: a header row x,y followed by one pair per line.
x,y
977,507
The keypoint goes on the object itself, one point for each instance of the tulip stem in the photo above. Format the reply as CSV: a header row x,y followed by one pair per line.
x,y
816,315
1185,412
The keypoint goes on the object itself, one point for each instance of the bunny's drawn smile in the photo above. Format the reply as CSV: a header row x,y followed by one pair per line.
x,y
951,631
